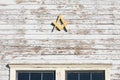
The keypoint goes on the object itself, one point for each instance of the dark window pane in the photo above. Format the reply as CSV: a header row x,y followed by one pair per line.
x,y
98,76
35,76
23,76
72,76
84,76
48,76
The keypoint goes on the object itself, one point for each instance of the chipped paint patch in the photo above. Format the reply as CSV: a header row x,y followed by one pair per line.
x,y
20,1
36,49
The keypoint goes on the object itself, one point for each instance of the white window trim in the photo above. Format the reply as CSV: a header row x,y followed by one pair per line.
x,y
59,68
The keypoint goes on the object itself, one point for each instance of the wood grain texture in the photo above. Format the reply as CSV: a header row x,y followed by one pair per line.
x,y
93,33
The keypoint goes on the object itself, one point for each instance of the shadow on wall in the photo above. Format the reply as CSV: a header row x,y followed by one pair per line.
x,y
7,66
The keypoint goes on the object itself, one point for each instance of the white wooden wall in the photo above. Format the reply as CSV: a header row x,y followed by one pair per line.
x,y
93,33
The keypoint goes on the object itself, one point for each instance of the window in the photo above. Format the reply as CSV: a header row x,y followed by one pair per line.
x,y
59,72
35,75
85,75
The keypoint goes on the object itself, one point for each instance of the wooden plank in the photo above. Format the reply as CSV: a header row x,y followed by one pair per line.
x,y
56,32
43,26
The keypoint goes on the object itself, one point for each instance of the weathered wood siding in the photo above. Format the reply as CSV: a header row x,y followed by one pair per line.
x,y
93,33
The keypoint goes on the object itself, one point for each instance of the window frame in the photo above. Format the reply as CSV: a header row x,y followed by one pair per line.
x,y
79,72
60,69
41,73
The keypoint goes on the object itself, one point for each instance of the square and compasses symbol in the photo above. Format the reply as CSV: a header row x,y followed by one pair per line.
x,y
60,24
